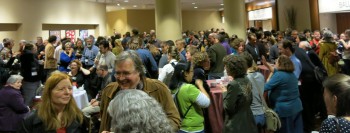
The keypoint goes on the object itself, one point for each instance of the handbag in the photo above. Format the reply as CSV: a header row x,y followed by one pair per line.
x,y
320,74
273,122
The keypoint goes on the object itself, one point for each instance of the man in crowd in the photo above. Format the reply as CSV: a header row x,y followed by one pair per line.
x,y
130,74
105,57
89,54
216,53
286,48
50,63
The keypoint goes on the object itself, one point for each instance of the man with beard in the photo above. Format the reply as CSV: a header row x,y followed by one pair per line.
x,y
130,74
89,54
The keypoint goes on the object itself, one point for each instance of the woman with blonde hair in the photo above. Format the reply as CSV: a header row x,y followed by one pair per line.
x,y
118,48
58,111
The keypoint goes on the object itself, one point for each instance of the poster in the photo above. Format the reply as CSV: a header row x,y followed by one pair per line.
x,y
56,33
83,34
70,34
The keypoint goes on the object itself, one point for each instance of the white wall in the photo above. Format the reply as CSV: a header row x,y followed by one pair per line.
x,y
329,20
31,14
267,25
302,7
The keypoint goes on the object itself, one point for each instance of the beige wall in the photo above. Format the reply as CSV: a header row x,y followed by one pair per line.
x,y
31,14
201,20
329,20
303,13
144,20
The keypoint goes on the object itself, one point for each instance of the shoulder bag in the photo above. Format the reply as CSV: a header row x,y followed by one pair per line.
x,y
273,122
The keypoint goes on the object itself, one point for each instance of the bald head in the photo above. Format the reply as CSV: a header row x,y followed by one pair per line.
x,y
305,45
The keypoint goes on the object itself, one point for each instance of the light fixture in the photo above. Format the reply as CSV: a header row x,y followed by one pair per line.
x,y
123,8
118,4
134,6
126,0
193,3
222,4
195,7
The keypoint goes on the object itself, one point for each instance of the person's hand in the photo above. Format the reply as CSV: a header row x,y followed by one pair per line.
x,y
223,88
42,53
96,62
92,101
96,103
71,51
91,68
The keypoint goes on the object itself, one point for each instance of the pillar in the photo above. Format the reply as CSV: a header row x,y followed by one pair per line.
x,y
168,19
235,17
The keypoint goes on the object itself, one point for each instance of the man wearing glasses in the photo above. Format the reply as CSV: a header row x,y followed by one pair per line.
x,y
130,74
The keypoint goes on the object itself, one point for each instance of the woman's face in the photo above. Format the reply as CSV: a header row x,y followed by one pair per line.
x,y
74,66
241,47
205,42
62,93
189,75
188,56
79,43
206,64
17,85
67,48
330,101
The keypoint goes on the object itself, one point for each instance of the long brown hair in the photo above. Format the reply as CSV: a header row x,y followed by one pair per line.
x,y
46,111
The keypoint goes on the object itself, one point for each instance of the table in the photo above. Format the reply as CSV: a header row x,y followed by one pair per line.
x,y
79,95
81,98
216,109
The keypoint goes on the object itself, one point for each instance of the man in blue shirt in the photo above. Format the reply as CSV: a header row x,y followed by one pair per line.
x,y
286,48
89,54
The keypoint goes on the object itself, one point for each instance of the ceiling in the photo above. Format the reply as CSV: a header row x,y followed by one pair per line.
x,y
112,5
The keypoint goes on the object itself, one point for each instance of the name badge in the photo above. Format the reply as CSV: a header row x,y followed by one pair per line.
x,y
299,82
86,60
34,73
258,63
74,78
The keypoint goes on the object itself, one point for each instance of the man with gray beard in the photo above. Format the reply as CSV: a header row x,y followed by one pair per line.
x,y
89,54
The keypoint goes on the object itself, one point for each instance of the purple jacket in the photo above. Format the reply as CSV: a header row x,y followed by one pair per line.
x,y
227,47
12,109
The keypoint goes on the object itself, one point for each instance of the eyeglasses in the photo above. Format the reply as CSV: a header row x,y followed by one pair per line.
x,y
125,74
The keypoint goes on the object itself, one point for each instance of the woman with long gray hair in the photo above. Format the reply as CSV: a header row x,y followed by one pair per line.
x,y
134,111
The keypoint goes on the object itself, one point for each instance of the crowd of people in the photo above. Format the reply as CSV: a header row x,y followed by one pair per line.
x,y
138,83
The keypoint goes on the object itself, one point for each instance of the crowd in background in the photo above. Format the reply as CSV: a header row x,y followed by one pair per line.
x,y
171,77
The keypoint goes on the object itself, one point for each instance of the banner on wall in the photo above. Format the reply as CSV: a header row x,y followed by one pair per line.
x,y
261,14
83,34
56,33
331,6
70,34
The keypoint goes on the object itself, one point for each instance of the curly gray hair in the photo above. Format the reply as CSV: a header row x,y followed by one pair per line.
x,y
134,111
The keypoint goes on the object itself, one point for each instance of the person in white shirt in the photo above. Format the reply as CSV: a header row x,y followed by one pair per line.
x,y
167,72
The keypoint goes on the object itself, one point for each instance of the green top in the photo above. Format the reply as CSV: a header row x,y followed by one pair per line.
x,y
194,120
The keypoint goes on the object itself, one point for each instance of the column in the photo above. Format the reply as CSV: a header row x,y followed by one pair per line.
x,y
235,17
168,19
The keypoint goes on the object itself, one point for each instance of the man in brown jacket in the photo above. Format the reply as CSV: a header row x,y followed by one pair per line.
x,y
130,74
50,63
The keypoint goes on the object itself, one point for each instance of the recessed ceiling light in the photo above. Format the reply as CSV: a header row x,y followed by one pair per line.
x,y
123,8
195,7
134,6
222,4
126,0
193,3
118,4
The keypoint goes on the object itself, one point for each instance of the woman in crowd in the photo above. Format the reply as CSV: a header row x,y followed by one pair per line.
x,y
238,98
284,95
237,46
190,50
201,63
78,73
258,81
134,111
190,99
66,57
58,111
167,71
79,48
328,49
118,48
12,107
337,97
204,45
